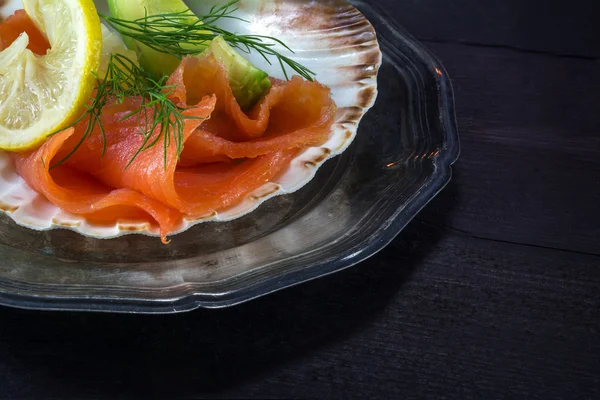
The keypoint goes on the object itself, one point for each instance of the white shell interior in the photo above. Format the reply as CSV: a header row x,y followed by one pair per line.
x,y
329,37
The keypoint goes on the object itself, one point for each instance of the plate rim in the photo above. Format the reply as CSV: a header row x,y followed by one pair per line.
x,y
193,300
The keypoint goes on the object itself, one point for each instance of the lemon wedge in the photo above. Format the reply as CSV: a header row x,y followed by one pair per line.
x,y
42,94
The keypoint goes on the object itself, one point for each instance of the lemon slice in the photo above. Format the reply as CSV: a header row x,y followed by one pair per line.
x,y
42,94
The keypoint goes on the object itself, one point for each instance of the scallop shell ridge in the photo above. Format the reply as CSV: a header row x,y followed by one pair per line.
x,y
330,37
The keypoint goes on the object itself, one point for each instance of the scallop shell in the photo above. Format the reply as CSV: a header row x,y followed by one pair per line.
x,y
330,37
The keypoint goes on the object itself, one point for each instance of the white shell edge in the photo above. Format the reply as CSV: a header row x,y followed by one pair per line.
x,y
325,51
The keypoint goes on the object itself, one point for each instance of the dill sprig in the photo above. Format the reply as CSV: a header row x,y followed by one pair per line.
x,y
158,118
181,34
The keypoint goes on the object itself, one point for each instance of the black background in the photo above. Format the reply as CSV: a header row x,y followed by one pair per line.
x,y
491,293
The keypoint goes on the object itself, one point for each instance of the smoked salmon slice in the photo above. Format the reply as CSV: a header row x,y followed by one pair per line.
x,y
292,115
194,192
85,185
18,23
82,194
287,108
227,153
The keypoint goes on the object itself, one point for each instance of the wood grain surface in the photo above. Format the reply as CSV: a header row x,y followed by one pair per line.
x,y
492,292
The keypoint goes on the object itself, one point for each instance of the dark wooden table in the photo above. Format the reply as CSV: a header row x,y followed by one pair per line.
x,y
493,292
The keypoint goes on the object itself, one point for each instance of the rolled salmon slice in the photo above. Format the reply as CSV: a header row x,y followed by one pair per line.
x,y
292,115
96,185
300,115
286,108
194,192
103,184
80,193
18,23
